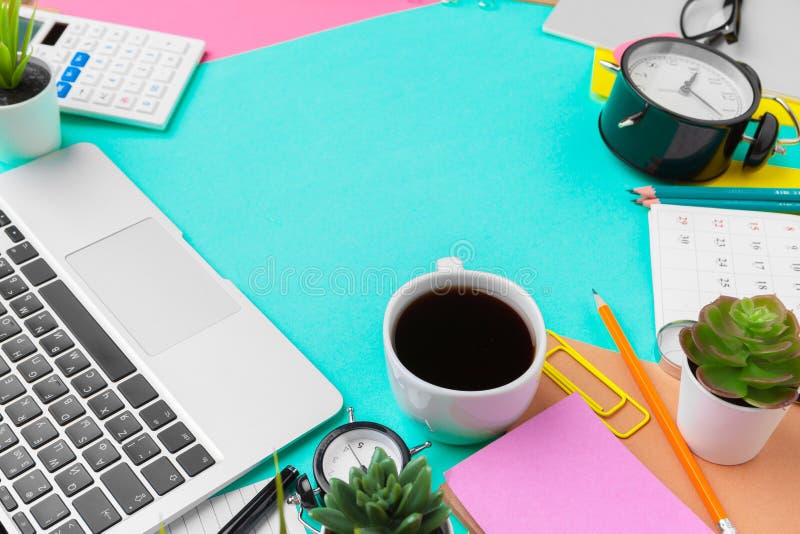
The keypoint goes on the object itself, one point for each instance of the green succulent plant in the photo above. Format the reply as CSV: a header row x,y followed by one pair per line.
x,y
14,53
746,349
381,501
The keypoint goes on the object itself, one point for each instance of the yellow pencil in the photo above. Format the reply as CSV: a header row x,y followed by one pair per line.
x,y
664,419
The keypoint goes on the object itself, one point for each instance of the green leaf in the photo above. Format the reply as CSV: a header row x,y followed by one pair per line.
x,y
418,497
376,514
785,349
771,398
14,30
722,381
347,502
370,530
28,32
17,76
434,519
390,468
755,375
710,344
332,519
412,469
410,524
403,506
6,67
434,500
691,350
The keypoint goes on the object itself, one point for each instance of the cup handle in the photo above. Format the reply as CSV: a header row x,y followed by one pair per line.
x,y
450,264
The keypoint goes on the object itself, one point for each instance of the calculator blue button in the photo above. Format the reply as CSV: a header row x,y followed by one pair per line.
x,y
79,59
63,89
70,74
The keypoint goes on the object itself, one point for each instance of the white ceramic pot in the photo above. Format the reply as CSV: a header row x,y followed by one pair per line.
x,y
719,431
455,416
31,128
448,528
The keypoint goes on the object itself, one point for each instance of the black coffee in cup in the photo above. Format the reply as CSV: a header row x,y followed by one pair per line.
x,y
464,340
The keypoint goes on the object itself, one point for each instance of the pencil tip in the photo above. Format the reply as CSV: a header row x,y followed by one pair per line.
x,y
593,291
631,191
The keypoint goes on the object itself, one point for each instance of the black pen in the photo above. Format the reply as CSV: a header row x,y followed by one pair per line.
x,y
258,505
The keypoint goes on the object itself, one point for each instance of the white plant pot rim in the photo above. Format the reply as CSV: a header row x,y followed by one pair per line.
x,y
448,527
52,81
706,392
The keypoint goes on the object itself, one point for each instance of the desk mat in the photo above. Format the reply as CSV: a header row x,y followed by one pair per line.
x,y
758,495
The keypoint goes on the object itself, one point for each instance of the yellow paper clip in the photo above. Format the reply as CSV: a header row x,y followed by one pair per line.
x,y
570,387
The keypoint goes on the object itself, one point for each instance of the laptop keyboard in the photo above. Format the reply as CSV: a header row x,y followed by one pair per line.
x,y
85,440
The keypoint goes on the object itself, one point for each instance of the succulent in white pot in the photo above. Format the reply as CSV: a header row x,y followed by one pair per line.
x,y
741,376
30,122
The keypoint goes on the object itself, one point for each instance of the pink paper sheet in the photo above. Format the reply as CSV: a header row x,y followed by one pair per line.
x,y
233,27
564,472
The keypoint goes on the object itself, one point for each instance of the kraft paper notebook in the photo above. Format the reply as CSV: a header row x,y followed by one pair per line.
x,y
758,495
562,472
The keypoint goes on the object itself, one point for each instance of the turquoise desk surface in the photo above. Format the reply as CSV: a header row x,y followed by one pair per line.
x,y
320,174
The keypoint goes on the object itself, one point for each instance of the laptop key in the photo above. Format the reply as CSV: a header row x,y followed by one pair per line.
x,y
70,527
123,426
40,324
101,348
162,475
23,524
32,486
66,410
105,404
25,305
23,410
22,253
96,510
12,286
195,460
15,462
138,391
74,479
7,437
5,268
157,415
83,432
56,456
72,362
126,488
38,272
4,220
88,383
14,234
34,368
101,455
18,348
4,368
7,499
50,511
141,449
8,328
50,389
56,342
39,432
10,389
176,437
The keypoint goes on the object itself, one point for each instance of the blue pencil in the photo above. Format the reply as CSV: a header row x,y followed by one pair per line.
x,y
752,205
721,193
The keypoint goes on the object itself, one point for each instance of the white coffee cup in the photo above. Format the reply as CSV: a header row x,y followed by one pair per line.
x,y
455,416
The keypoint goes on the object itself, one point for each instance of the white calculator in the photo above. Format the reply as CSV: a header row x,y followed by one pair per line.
x,y
114,72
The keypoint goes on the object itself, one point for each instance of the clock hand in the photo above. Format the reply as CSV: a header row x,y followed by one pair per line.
x,y
704,101
363,467
686,88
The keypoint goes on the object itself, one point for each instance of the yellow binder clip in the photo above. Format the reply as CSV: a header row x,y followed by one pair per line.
x,y
570,387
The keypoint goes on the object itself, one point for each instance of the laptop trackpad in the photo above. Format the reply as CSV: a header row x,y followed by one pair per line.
x,y
158,291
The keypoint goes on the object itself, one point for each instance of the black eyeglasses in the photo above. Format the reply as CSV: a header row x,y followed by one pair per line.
x,y
710,20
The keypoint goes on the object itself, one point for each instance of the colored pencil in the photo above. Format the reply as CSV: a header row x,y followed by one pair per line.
x,y
664,419
752,205
721,193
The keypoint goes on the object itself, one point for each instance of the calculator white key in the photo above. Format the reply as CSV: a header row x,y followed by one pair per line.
x,y
114,72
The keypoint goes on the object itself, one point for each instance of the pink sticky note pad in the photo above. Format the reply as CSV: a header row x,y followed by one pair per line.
x,y
564,472
233,27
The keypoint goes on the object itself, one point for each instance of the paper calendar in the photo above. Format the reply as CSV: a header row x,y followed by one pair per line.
x,y
698,254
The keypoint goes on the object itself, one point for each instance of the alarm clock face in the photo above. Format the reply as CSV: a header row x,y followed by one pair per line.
x,y
354,447
689,80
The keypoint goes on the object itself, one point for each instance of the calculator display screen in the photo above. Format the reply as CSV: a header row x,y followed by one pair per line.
x,y
23,27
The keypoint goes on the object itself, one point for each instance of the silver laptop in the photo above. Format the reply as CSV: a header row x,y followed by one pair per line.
x,y
134,380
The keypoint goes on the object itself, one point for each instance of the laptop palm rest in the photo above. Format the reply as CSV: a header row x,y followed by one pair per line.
x,y
153,285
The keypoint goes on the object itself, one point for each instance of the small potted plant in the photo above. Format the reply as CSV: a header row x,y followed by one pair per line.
x,y
29,114
383,501
741,376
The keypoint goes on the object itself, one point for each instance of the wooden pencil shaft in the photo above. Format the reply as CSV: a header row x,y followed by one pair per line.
x,y
732,193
